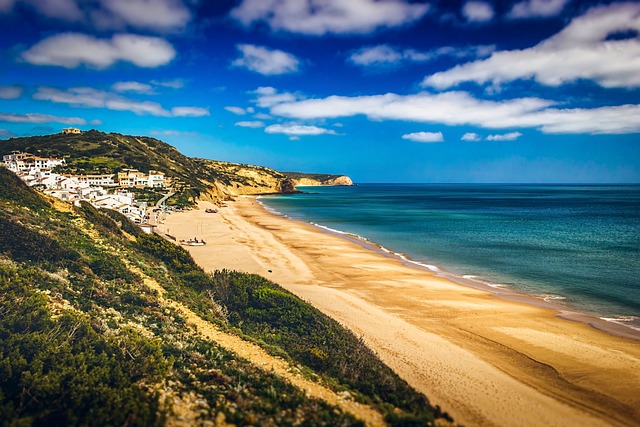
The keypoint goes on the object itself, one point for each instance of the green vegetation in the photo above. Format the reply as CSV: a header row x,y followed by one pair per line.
x,y
84,341
291,328
60,371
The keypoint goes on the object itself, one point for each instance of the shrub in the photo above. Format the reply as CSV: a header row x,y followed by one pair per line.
x,y
61,372
12,189
24,244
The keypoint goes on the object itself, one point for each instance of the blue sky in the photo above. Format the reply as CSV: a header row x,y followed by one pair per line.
x,y
381,90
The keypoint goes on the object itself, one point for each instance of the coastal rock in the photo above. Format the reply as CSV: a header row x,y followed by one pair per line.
x,y
337,180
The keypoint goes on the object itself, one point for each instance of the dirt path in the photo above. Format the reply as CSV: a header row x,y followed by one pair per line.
x,y
264,360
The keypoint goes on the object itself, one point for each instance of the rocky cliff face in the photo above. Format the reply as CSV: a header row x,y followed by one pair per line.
x,y
233,179
342,180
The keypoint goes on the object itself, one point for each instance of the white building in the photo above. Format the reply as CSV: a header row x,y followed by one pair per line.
x,y
135,178
28,163
68,183
156,179
98,180
15,161
68,131
47,162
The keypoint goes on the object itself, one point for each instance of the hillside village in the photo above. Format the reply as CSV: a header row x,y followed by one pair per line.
x,y
135,175
112,191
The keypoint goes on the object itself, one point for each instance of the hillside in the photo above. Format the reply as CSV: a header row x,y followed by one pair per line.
x,y
104,325
98,152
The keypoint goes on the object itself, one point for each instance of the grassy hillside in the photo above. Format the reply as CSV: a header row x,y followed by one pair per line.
x,y
85,339
99,152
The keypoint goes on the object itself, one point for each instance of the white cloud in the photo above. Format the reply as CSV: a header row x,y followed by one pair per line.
x,y
153,15
135,87
251,124
156,15
189,112
71,50
477,11
319,17
236,110
262,116
40,118
424,136
537,9
298,130
67,10
10,92
173,84
92,98
471,136
269,96
376,55
266,61
580,51
511,136
455,108
460,108
385,55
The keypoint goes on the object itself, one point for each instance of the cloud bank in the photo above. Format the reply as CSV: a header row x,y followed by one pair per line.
x,y
266,61
40,118
460,108
150,15
424,136
70,50
537,9
298,130
388,56
581,50
478,11
10,92
92,98
319,17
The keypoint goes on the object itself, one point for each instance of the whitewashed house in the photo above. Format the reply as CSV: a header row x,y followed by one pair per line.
x,y
156,179
98,180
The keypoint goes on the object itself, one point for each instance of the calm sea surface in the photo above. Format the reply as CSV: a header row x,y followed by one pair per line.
x,y
579,245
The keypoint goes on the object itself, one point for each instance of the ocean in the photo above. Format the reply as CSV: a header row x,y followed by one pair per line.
x,y
575,245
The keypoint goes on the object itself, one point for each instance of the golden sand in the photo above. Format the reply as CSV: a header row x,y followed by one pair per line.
x,y
485,360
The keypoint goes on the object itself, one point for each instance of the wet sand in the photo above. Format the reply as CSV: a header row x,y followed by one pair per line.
x,y
486,360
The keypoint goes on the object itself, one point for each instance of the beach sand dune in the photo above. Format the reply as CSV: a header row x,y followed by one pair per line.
x,y
487,361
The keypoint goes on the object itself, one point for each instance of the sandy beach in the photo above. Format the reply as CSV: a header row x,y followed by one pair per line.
x,y
488,361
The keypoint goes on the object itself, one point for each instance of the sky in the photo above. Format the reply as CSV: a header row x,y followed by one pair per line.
x,y
509,91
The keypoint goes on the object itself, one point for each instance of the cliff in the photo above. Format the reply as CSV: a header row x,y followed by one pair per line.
x,y
311,179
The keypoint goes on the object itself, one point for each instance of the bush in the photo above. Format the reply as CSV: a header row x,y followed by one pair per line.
x,y
100,221
123,222
12,189
61,372
23,244
173,256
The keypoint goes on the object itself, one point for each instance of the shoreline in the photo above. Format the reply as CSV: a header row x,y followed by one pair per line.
x,y
596,321
485,360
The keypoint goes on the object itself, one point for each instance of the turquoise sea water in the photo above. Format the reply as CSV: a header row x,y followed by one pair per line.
x,y
579,245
